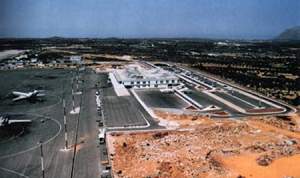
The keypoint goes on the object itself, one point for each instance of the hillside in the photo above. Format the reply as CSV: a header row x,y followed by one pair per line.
x,y
290,34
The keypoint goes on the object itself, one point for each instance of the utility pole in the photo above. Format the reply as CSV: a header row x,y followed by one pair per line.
x,y
42,159
65,124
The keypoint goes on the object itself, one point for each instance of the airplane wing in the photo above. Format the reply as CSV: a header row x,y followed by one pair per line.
x,y
19,93
19,121
20,98
41,94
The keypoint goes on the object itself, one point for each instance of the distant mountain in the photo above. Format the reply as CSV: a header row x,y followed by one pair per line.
x,y
292,34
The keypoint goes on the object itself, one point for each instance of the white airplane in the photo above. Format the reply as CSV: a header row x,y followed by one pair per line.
x,y
4,121
30,95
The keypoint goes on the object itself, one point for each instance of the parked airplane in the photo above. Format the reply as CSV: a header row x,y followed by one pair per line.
x,y
5,121
30,95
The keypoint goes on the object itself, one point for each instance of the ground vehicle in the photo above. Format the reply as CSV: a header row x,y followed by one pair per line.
x,y
105,174
101,135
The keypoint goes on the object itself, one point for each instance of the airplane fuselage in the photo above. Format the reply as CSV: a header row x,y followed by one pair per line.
x,y
22,95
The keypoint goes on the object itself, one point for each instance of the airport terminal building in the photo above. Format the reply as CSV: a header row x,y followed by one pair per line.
x,y
136,76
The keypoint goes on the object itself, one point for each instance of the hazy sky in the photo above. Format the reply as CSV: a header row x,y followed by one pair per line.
x,y
148,18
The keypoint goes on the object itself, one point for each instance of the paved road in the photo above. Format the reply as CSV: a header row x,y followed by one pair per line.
x,y
87,162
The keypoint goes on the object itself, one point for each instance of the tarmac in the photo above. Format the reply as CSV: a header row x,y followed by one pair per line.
x,y
22,159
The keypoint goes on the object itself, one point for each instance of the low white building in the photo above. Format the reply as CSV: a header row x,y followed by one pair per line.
x,y
139,77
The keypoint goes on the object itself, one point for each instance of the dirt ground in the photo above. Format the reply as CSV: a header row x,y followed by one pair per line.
x,y
261,147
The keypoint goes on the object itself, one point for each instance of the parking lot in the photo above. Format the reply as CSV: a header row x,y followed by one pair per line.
x,y
120,111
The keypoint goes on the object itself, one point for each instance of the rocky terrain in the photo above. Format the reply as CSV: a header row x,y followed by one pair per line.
x,y
254,147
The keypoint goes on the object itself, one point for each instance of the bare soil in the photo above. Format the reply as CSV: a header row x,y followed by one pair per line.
x,y
266,147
